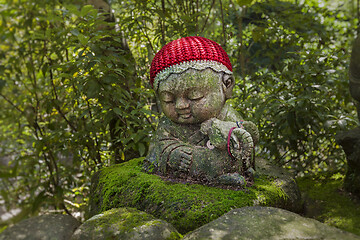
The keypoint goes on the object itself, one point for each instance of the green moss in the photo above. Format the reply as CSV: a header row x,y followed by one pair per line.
x,y
186,206
328,203
123,220
125,223
175,236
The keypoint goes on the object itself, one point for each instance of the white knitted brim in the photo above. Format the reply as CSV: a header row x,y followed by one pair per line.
x,y
182,67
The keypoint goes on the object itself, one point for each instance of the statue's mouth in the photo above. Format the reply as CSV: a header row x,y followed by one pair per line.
x,y
185,115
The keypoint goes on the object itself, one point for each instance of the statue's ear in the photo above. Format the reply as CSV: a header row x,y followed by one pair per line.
x,y
228,83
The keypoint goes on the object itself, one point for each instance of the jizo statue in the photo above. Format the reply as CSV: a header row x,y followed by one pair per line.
x,y
201,137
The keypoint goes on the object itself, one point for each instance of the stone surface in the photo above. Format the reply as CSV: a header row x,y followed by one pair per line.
x,y
350,142
266,223
45,227
285,181
185,205
125,223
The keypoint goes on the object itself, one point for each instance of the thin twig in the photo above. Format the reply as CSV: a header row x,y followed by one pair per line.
x,y
57,106
163,23
207,17
147,37
223,24
98,156
12,104
197,16
173,8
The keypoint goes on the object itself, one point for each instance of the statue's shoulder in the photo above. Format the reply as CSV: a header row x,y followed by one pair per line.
x,y
229,114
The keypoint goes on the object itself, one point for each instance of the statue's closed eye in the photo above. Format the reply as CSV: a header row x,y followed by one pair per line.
x,y
167,97
195,95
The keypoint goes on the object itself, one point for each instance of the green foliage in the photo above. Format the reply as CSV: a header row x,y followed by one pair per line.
x,y
296,86
65,78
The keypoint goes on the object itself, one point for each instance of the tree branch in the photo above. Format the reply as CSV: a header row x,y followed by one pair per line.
x,y
57,106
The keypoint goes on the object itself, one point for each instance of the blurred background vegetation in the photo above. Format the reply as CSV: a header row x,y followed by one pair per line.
x,y
75,93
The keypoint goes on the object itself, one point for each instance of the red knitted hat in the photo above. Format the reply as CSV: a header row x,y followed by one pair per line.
x,y
189,52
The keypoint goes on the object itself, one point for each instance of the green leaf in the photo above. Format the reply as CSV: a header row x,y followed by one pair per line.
x,y
83,39
73,9
2,84
258,33
85,10
245,2
75,32
141,149
118,111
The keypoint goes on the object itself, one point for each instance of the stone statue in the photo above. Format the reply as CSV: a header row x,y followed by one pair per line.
x,y
201,137
350,140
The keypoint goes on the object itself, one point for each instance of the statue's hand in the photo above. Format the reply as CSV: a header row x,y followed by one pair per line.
x,y
207,125
243,148
218,132
180,158
241,142
244,138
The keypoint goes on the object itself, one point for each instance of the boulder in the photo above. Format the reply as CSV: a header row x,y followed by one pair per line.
x,y
185,205
125,223
266,223
45,227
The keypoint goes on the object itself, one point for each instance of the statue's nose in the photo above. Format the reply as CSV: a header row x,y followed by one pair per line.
x,y
182,103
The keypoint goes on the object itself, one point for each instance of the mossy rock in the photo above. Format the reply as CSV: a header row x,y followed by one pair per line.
x,y
187,206
266,223
125,223
51,226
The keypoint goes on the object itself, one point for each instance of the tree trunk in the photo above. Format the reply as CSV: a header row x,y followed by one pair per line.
x,y
128,83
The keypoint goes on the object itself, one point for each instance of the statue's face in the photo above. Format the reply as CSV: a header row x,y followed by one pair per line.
x,y
192,96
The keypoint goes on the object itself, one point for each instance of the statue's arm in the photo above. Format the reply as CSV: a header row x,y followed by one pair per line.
x,y
233,116
229,136
175,154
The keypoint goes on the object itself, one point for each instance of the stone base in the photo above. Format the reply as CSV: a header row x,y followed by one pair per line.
x,y
188,206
